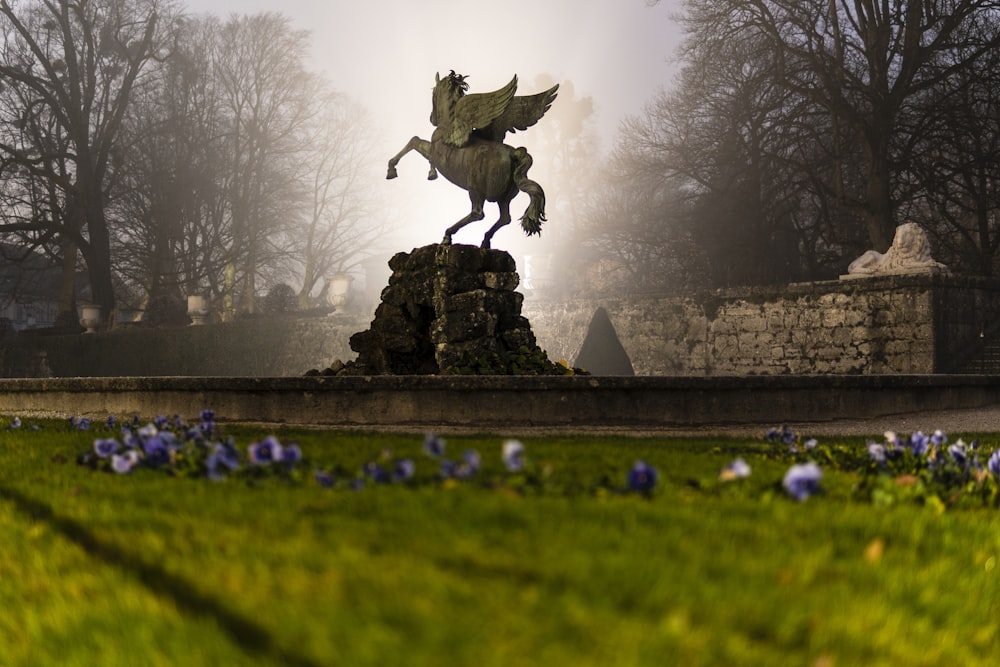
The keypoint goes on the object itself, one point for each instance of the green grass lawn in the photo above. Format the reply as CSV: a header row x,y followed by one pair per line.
x,y
153,569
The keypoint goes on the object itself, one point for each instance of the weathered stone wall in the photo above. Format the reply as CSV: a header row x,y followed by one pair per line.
x,y
524,404
885,325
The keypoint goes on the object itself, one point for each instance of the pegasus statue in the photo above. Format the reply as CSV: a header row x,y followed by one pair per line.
x,y
468,147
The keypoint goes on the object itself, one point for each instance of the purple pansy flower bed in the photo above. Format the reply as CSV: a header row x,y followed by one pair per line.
x,y
925,468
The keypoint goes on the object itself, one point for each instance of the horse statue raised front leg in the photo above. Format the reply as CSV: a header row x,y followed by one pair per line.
x,y
423,147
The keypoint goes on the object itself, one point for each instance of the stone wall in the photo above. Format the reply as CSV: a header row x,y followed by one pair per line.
x,y
885,325
258,347
520,405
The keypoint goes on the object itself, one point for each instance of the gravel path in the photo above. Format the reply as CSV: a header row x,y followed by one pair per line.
x,y
977,420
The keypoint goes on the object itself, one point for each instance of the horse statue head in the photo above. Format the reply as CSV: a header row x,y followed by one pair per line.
x,y
447,92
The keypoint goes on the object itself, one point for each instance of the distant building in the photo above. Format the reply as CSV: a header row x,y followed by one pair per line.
x,y
29,289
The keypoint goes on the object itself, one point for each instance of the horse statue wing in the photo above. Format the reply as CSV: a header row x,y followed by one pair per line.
x,y
522,112
478,111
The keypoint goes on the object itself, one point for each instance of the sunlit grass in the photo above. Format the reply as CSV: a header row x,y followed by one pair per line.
x,y
151,569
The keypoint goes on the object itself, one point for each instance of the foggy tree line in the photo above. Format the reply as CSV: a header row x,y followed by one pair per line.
x,y
169,154
800,133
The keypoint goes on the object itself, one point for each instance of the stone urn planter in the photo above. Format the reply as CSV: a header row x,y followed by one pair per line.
x,y
197,309
90,317
339,294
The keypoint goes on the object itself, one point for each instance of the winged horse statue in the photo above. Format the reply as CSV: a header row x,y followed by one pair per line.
x,y
467,147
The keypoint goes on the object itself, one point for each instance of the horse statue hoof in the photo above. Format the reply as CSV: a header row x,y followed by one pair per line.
x,y
432,175
391,174
446,240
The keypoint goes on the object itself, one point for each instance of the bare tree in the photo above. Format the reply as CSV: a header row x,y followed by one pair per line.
x,y
721,157
242,170
865,62
807,127
77,64
172,229
339,229
266,92
953,175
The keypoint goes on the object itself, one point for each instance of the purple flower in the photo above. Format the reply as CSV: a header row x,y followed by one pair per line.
x,y
83,423
939,438
468,466
161,422
738,469
472,459
433,445
377,473
125,463
802,480
324,479
877,452
148,431
157,450
223,456
784,434
290,455
207,425
212,463
958,453
993,464
267,450
642,477
918,443
16,423
111,422
811,443
105,447
513,455
403,470
129,439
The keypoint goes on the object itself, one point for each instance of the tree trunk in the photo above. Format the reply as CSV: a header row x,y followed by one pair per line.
x,y
99,267
97,250
877,210
308,280
67,316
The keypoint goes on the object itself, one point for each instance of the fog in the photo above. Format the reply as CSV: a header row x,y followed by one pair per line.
x,y
385,54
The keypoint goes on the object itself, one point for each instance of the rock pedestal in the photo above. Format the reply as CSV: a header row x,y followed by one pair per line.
x,y
450,309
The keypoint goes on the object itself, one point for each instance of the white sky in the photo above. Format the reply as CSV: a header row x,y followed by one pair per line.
x,y
616,51
384,54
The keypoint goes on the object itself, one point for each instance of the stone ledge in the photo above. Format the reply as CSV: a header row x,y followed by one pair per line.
x,y
504,403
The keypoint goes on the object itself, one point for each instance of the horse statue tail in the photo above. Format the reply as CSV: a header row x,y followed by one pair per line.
x,y
534,216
